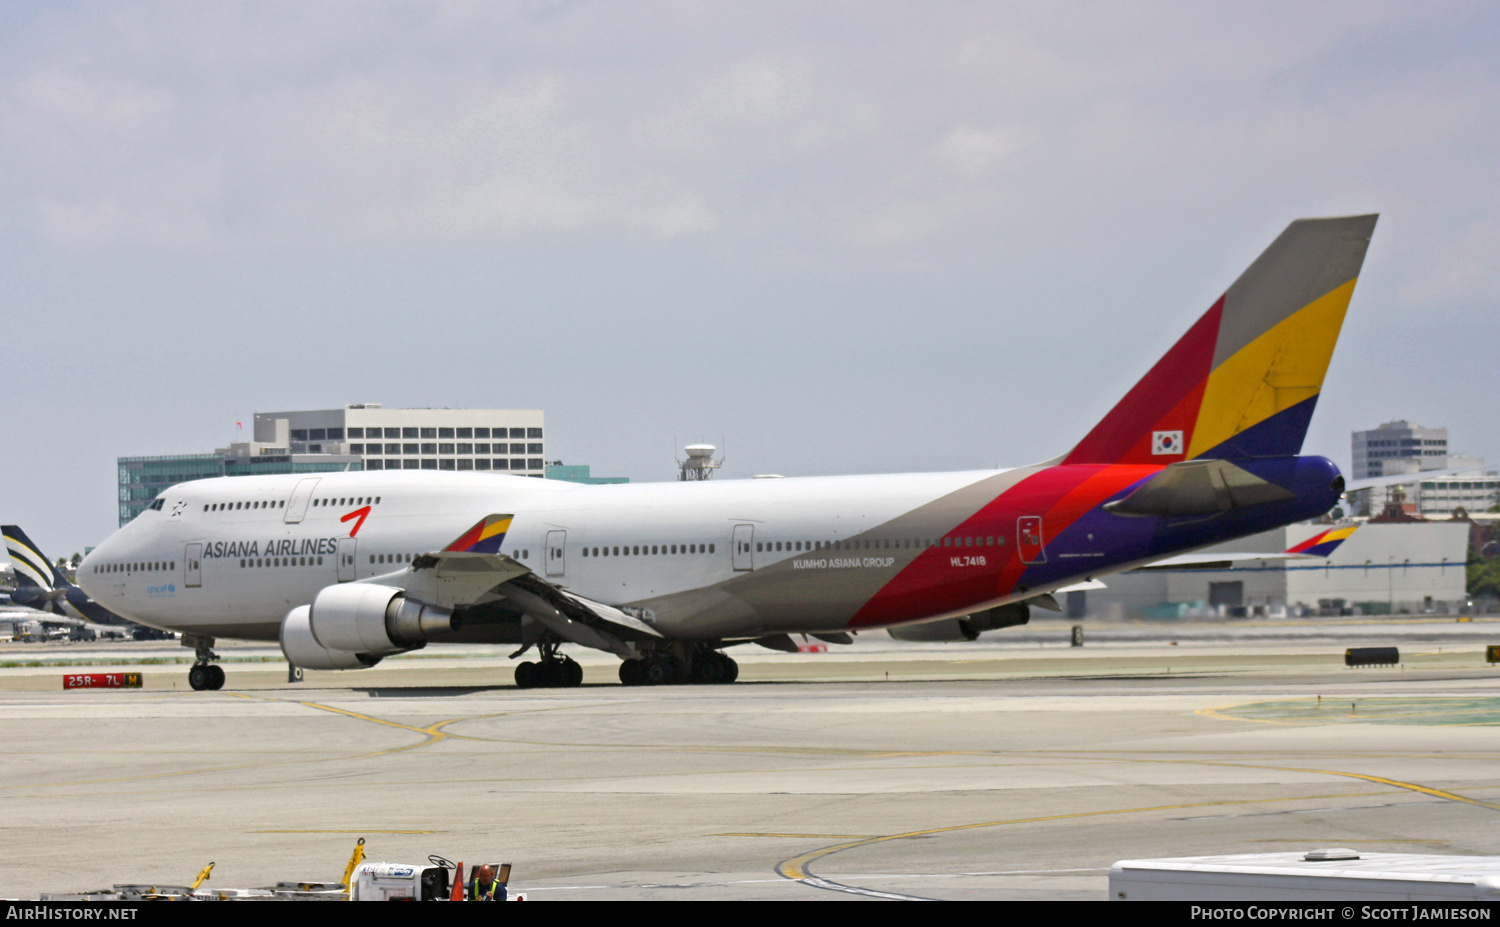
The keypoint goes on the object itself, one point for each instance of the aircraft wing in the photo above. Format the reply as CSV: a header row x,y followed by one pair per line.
x,y
471,570
1319,546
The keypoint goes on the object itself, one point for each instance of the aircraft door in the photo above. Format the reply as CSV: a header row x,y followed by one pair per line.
x,y
296,506
192,566
346,558
744,547
1029,539
557,550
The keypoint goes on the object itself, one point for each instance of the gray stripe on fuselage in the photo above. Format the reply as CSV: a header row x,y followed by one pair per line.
x,y
783,597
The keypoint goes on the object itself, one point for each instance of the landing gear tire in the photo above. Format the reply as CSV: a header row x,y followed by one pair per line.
x,y
707,669
198,677
561,673
658,671
526,675
632,672
731,669
215,676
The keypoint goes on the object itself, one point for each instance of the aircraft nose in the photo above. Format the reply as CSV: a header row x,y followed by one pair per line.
x,y
86,575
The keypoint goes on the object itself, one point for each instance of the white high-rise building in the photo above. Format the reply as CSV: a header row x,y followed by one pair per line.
x,y
1399,447
413,439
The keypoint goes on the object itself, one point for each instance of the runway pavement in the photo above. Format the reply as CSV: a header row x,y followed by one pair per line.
x,y
1015,767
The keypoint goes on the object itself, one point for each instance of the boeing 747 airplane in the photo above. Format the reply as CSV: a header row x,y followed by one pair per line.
x,y
344,569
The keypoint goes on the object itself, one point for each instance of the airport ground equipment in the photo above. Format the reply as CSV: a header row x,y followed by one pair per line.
x,y
1319,875
438,880
1372,656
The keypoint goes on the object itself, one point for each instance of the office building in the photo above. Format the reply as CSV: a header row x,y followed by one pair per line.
x,y
1400,447
364,436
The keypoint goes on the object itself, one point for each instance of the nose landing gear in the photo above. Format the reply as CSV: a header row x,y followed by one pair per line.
x,y
204,674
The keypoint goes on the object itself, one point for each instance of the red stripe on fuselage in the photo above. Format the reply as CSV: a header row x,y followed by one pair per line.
x,y
932,585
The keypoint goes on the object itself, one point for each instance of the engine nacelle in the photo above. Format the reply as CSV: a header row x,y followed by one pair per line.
x,y
303,650
354,625
967,628
374,619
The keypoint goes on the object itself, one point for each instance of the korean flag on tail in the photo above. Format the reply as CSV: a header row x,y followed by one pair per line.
x,y
1166,442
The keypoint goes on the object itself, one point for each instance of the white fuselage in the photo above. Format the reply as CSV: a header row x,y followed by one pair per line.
x,y
231,556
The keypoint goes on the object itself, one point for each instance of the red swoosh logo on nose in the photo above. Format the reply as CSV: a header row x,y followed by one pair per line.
x,y
360,514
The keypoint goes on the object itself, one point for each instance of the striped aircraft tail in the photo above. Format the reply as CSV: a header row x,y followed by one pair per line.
x,y
31,566
1324,543
1244,379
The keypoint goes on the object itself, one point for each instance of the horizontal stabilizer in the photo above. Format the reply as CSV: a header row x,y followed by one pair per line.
x,y
1319,546
1198,487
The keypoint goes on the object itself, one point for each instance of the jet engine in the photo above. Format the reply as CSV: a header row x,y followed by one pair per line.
x,y
356,625
967,628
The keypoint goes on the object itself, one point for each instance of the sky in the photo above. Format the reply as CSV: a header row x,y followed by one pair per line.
x,y
829,238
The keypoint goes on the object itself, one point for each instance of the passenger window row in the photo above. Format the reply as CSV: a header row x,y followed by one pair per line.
x,y
407,558
260,562
152,566
236,506
648,550
879,544
347,500
281,503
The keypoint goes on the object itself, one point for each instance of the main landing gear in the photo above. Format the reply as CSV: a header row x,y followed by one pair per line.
x,y
553,671
699,665
204,674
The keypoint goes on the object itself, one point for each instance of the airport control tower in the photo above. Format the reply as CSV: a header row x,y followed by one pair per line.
x,y
699,465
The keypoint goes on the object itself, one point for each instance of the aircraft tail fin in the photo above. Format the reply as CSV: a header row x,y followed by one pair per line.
x,y
31,565
1244,379
1324,543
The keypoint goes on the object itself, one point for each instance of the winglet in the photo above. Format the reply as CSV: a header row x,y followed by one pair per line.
x,y
485,537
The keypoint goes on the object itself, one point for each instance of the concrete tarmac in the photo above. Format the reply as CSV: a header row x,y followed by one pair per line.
x,y
1013,767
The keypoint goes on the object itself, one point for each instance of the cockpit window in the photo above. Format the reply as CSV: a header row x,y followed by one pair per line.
x,y
156,506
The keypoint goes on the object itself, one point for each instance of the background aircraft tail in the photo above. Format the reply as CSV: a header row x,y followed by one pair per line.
x,y
31,565
1324,543
1244,379
42,586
